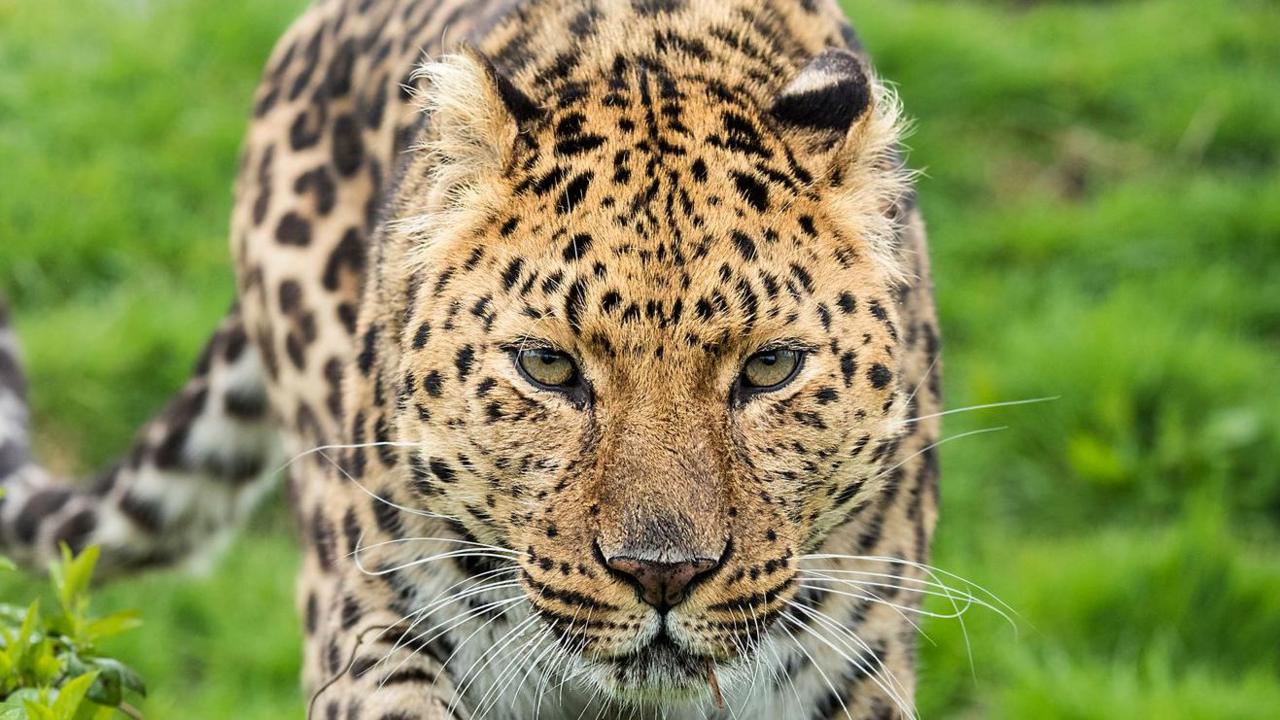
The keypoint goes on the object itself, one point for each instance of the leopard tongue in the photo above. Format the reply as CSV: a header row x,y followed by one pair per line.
x,y
715,684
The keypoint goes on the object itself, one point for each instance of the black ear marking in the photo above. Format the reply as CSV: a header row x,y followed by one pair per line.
x,y
522,108
829,94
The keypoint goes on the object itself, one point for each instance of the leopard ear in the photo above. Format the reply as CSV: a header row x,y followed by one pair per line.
x,y
824,106
475,115
846,127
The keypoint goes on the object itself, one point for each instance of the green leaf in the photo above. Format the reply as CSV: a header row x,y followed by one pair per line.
x,y
14,706
38,711
111,625
73,580
71,695
26,637
126,675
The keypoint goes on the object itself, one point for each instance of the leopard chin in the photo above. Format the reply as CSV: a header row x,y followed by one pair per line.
x,y
660,670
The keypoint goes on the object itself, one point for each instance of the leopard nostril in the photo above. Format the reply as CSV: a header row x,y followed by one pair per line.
x,y
662,584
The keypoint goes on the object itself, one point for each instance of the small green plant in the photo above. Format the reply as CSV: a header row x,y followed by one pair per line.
x,y
49,665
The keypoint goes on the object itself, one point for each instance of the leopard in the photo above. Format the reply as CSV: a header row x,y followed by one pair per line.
x,y
595,343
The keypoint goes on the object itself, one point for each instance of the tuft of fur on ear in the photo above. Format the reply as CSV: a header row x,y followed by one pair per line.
x,y
847,126
474,118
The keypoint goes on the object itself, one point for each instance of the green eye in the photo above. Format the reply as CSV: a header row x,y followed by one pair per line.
x,y
548,368
770,370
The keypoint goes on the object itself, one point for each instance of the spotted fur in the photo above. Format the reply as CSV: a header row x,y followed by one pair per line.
x,y
659,189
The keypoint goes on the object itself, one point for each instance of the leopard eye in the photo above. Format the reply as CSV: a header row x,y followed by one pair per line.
x,y
769,370
546,368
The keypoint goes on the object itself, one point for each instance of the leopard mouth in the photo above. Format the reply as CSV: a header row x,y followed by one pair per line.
x,y
662,667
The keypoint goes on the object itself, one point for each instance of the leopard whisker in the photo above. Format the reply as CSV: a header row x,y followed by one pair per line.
x,y
446,597
397,541
959,436
452,623
968,599
881,676
984,406
485,704
419,642
778,666
379,498
947,592
831,625
543,672
786,616
459,646
486,658
902,610
923,379
423,561
354,446
933,572
873,597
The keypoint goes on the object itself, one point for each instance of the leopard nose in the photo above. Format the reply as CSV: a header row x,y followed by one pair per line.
x,y
662,584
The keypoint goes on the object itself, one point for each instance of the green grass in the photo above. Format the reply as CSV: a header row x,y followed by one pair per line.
x,y
1104,204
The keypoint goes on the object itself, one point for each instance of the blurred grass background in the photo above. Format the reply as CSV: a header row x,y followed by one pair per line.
x,y
1103,194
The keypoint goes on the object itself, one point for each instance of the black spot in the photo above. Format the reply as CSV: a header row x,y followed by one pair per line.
x,y
351,612
348,254
369,350
40,506
574,193
339,76
307,126
146,514
348,147
245,405
746,246
432,383
578,145
848,304
879,376
699,170
421,336
610,301
290,296
573,304
441,470
75,530
512,274
319,182
387,516
463,360
806,226
577,246
803,276
322,539
848,366
293,230
752,190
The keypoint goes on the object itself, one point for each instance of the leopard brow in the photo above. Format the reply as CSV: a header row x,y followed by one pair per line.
x,y
794,344
529,343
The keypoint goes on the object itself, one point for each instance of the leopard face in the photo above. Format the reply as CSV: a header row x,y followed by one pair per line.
x,y
659,364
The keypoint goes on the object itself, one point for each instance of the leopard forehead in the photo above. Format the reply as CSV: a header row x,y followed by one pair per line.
x,y
649,213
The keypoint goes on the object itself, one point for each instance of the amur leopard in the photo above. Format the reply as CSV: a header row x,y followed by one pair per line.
x,y
596,341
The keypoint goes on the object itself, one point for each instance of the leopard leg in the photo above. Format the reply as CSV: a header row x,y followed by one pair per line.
x,y
193,471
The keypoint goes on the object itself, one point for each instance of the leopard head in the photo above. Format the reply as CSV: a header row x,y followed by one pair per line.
x,y
646,341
